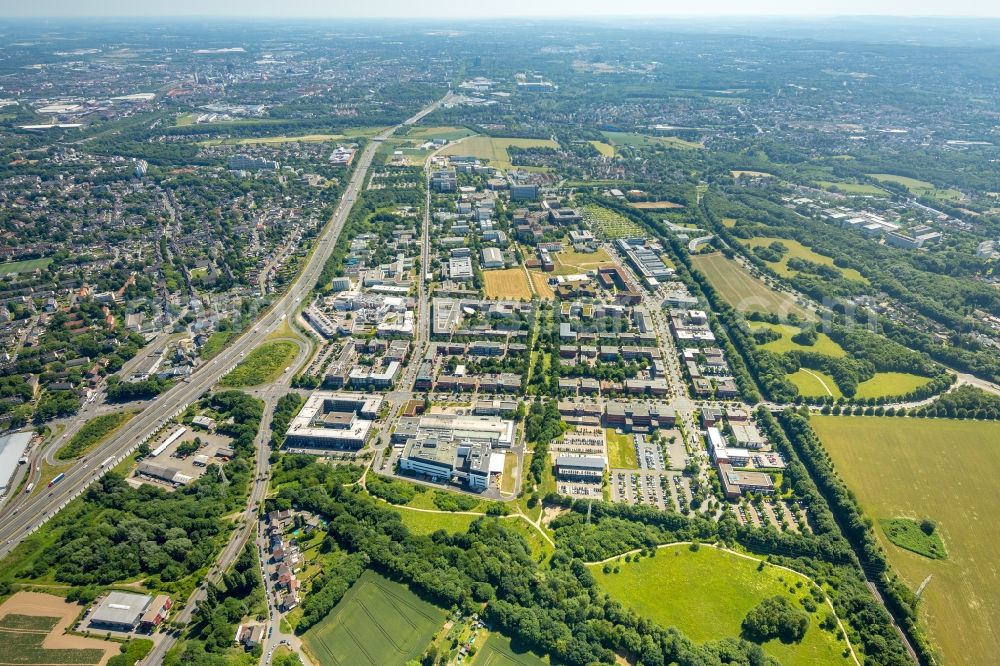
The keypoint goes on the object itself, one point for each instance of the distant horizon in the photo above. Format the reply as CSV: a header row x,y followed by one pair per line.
x,y
511,9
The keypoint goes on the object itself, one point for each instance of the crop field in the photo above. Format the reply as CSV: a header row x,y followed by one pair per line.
x,y
23,266
498,650
656,205
851,188
509,283
570,262
813,383
605,149
742,290
494,149
824,345
621,450
609,224
888,384
449,133
377,622
944,470
542,288
32,629
919,187
707,593
630,139
93,432
797,250
264,364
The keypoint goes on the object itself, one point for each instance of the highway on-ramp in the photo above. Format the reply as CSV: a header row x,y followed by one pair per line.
x,y
42,506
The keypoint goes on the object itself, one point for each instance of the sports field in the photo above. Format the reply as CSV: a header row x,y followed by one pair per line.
x,y
262,365
813,383
824,345
498,650
707,593
621,450
377,622
742,290
23,266
889,384
32,627
494,149
945,470
800,251
509,283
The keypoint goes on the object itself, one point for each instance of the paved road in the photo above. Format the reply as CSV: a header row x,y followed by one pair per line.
x,y
36,510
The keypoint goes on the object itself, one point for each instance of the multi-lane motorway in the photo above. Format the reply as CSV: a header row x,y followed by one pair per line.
x,y
39,508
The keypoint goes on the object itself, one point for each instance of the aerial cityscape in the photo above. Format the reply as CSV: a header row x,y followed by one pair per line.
x,y
510,341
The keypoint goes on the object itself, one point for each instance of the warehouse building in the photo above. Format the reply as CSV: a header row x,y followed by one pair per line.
x,y
127,611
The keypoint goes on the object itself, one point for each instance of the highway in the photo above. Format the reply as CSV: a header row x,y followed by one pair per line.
x,y
37,509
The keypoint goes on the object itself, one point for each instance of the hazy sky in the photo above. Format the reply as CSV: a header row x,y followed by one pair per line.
x,y
485,8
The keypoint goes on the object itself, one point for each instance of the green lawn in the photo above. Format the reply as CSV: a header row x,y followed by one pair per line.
x,y
93,432
499,650
23,266
944,470
706,594
824,345
812,383
919,187
889,384
621,450
377,622
742,290
264,364
797,250
906,533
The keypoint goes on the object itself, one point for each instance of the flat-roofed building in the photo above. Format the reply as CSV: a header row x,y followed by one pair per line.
x,y
589,468
120,611
736,482
334,420
440,460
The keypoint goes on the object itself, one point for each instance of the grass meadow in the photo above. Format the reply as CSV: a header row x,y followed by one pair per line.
x,y
797,250
498,650
510,283
377,622
621,450
889,384
812,383
824,345
944,470
707,593
262,365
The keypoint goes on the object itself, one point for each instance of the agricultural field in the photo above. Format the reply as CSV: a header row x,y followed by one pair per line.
x,y
605,149
498,650
262,365
919,187
656,205
494,149
797,250
889,384
510,283
742,290
813,383
621,450
851,188
23,266
570,262
542,288
944,470
93,432
449,133
753,174
707,593
630,139
32,627
377,622
824,345
609,224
